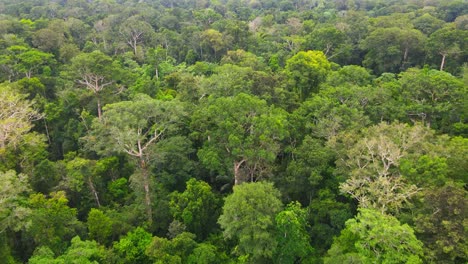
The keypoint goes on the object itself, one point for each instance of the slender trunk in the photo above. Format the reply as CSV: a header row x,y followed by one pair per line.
x,y
146,186
93,190
99,110
405,55
47,132
237,165
156,72
135,47
442,64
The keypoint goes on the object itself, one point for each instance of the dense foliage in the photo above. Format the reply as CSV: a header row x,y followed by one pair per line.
x,y
233,131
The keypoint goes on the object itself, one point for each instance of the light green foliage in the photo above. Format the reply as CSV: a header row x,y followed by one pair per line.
x,y
352,75
241,136
371,163
135,31
249,218
196,207
326,115
373,237
43,255
16,117
53,223
306,70
172,251
131,248
206,253
94,71
425,171
99,226
293,239
80,176
31,60
244,58
83,252
26,61
79,252
213,41
134,128
13,213
433,97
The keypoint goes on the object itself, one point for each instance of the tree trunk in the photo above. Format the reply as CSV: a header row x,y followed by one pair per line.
x,y
146,186
442,64
93,190
99,110
237,165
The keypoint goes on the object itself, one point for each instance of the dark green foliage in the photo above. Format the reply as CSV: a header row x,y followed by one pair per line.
x,y
197,207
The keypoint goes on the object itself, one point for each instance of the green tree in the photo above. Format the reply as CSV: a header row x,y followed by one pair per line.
x,y
392,49
240,136
135,32
371,162
132,247
433,97
13,212
175,250
99,226
95,71
80,176
196,207
306,70
53,222
447,42
293,239
134,128
428,24
373,237
213,42
249,218
328,39
79,252
16,117
440,222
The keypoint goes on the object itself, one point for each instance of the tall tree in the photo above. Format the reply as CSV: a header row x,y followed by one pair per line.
x,y
371,163
95,71
197,207
306,70
16,117
134,128
373,237
433,97
249,218
293,240
240,136
390,49
135,32
447,42
12,211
